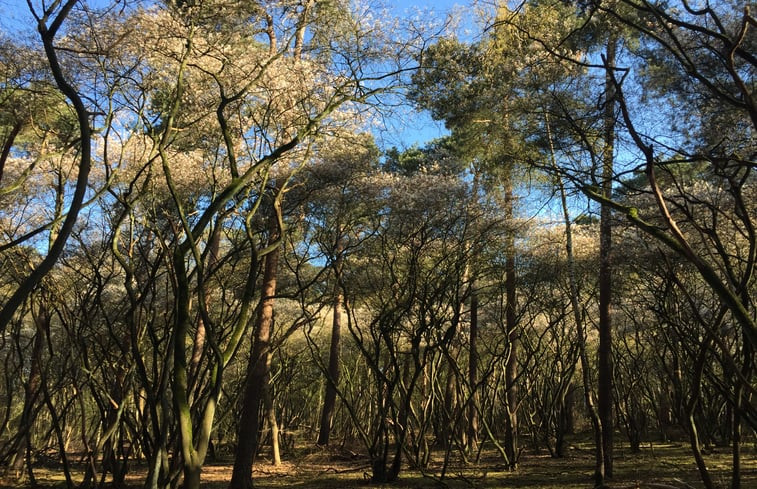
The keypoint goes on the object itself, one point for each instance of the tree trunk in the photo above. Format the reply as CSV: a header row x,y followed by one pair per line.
x,y
82,179
270,409
194,443
198,346
332,379
511,369
473,370
450,401
741,399
599,466
257,374
605,366
688,415
736,443
31,392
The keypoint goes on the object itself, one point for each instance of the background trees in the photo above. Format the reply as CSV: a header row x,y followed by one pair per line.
x,y
202,241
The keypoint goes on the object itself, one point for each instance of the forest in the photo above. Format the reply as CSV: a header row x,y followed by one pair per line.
x,y
499,244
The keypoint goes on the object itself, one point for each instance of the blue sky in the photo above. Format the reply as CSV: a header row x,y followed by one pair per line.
x,y
16,11
417,128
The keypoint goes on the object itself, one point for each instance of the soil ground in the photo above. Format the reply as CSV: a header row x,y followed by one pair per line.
x,y
657,466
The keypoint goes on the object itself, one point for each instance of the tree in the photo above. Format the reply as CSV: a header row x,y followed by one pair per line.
x,y
417,259
259,363
457,85
336,213
486,94
605,362
50,19
689,43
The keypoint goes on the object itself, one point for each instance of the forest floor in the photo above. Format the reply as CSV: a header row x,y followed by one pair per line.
x,y
657,466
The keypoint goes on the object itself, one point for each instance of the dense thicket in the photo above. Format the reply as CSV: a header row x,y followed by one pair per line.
x,y
204,253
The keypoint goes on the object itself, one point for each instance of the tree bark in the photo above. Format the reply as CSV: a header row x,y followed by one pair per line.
x,y
31,391
8,145
511,369
473,370
450,400
257,373
270,409
688,415
599,466
332,380
738,407
605,365
82,180
198,346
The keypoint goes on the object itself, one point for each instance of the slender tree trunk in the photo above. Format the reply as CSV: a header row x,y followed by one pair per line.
x,y
736,443
194,442
299,36
473,370
599,466
31,391
511,369
332,380
57,431
605,366
472,212
450,400
400,427
688,415
270,409
212,262
57,247
596,424
738,407
257,374
111,425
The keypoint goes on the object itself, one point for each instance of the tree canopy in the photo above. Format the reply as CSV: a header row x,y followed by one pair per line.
x,y
209,251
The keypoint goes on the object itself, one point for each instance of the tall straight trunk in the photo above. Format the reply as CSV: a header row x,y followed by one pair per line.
x,y
596,424
473,370
470,274
329,401
599,467
257,374
511,369
605,365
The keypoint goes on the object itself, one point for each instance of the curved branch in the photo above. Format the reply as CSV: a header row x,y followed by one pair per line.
x,y
82,181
